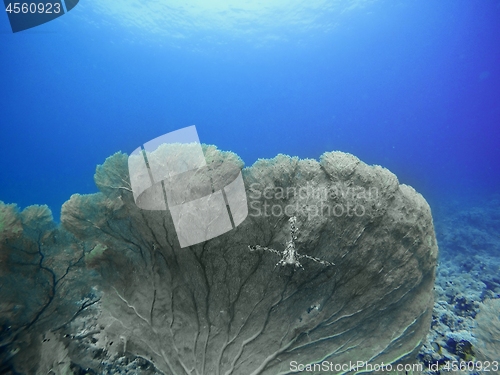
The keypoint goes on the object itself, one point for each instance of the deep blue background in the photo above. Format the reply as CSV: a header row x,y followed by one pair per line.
x,y
413,86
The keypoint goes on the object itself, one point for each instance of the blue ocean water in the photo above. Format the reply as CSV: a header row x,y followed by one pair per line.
x,y
413,86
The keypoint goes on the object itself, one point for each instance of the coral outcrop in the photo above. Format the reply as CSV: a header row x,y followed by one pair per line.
x,y
219,308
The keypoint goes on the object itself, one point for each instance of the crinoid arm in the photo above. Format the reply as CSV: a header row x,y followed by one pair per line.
x,y
264,248
317,260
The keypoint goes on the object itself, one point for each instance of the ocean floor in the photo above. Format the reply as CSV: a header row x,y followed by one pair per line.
x,y
464,327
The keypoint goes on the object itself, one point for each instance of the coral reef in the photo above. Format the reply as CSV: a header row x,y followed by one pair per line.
x,y
467,275
123,294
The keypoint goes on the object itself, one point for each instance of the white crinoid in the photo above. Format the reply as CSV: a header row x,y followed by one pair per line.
x,y
290,255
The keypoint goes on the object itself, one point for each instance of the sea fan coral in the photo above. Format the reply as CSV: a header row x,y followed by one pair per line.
x,y
217,308
114,282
